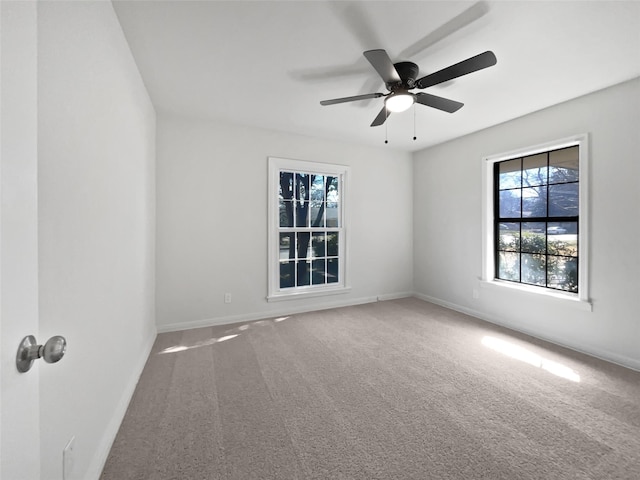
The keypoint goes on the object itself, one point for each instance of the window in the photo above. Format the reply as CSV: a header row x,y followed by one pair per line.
x,y
307,239
536,217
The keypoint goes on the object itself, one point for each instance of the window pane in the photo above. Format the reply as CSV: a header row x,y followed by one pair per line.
x,y
333,194
287,245
302,186
510,175
317,213
563,273
302,214
285,189
533,237
317,188
332,270
333,201
534,202
562,238
509,237
303,246
318,245
287,277
510,204
332,214
509,266
533,269
319,275
317,201
563,200
332,244
563,165
534,170
286,213
304,272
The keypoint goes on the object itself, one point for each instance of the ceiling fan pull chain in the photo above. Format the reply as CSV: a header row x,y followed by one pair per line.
x,y
386,126
414,122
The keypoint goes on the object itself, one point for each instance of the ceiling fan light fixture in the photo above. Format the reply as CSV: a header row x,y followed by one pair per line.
x,y
399,102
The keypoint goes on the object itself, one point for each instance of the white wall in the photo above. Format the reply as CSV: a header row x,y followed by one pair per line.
x,y
96,237
212,221
447,225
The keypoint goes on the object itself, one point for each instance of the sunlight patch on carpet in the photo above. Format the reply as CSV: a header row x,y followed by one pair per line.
x,y
527,356
182,348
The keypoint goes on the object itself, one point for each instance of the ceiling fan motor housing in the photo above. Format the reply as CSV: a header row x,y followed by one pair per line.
x,y
408,72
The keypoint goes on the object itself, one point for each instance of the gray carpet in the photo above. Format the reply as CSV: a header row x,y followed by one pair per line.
x,y
401,389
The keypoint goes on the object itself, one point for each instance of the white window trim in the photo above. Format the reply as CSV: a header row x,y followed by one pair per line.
x,y
274,292
581,299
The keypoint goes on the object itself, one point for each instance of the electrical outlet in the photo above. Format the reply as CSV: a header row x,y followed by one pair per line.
x,y
68,459
227,298
476,293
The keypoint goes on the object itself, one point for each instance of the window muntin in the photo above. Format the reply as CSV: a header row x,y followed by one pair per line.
x,y
536,219
307,240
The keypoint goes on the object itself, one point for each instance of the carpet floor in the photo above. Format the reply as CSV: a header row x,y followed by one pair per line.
x,y
401,389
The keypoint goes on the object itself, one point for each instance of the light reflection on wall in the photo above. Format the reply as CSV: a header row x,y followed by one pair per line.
x,y
520,353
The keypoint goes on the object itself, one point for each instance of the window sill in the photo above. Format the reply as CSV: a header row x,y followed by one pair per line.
x,y
568,299
311,293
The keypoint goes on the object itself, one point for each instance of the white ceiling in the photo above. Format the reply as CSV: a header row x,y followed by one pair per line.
x,y
269,63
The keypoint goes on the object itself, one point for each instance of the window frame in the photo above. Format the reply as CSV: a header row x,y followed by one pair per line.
x,y
277,165
489,274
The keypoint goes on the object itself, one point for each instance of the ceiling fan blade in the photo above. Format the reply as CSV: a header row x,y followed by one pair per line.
x,y
470,65
351,99
382,116
440,103
372,83
383,65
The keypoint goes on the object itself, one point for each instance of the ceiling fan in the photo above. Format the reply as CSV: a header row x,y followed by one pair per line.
x,y
400,78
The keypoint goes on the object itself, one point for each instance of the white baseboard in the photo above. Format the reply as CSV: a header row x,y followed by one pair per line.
x,y
102,452
394,296
605,355
453,306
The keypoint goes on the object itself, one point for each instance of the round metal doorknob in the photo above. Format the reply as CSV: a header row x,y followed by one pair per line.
x,y
54,349
29,350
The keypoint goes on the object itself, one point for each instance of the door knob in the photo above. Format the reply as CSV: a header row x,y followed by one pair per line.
x,y
29,350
